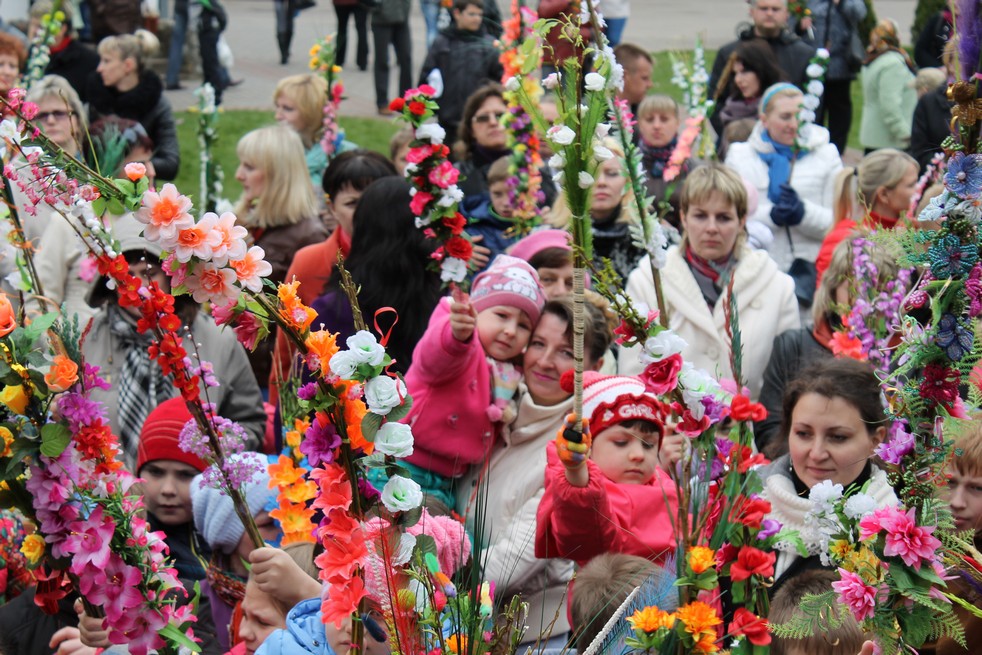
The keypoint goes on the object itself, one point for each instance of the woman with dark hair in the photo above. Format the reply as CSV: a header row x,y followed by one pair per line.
x,y
389,263
750,70
481,138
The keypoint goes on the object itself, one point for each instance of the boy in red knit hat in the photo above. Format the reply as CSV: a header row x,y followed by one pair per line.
x,y
608,494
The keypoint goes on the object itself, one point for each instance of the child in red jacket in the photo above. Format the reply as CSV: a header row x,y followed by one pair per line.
x,y
608,494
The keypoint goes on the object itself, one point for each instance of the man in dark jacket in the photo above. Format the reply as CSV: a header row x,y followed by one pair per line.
x,y
770,23
69,58
461,60
932,118
390,27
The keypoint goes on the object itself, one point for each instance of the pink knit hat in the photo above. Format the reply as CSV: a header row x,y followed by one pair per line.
x,y
612,399
511,282
538,241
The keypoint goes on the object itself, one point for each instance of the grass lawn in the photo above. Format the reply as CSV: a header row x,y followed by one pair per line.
x,y
374,134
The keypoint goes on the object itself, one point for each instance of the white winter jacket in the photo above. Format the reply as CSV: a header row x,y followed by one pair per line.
x,y
516,484
813,177
765,300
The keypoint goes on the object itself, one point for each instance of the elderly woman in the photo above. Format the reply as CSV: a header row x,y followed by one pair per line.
x,y
509,488
833,419
697,274
889,97
794,172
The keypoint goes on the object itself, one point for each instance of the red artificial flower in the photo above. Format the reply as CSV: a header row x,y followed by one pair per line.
x,y
459,247
752,561
418,204
746,458
455,223
169,323
750,511
940,384
397,104
624,333
689,425
51,587
417,108
661,377
842,345
742,409
725,554
753,627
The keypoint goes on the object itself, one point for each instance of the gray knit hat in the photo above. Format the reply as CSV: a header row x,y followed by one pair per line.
x,y
214,513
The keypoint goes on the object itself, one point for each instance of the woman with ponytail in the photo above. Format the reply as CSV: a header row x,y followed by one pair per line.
x,y
888,94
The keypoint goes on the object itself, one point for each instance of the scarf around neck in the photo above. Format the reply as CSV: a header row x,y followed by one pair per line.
x,y
708,274
656,159
778,165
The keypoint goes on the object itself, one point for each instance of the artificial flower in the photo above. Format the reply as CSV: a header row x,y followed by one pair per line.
x,y
651,619
384,393
753,627
701,558
594,82
135,171
561,135
964,175
662,376
855,594
252,268
8,318
62,374
209,283
394,439
698,619
742,409
321,347
752,561
401,494
165,214
14,397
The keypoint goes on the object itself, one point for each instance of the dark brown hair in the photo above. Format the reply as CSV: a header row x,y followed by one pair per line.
x,y
851,380
465,134
596,335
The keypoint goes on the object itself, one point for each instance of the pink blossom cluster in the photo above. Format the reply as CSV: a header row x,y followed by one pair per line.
x,y
210,257
683,149
329,138
902,536
234,471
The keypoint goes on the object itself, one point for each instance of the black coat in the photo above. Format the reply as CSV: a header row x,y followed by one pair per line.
x,y
793,56
932,123
147,105
75,62
26,630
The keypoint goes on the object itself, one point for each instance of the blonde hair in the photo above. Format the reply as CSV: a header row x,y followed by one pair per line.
x,y
137,46
840,270
287,198
308,92
709,179
846,639
968,450
928,79
498,171
857,187
658,103
560,214
775,91
55,86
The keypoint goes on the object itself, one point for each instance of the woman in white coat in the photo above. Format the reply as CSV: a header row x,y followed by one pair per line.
x,y
507,490
795,182
695,277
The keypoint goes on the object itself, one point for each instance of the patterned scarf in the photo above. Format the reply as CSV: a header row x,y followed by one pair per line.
x,y
656,159
142,385
227,586
708,274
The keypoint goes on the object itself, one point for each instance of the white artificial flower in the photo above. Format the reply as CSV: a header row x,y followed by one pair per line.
x,y
453,269
404,551
420,595
664,344
383,394
859,506
806,116
431,132
401,494
822,53
824,495
557,161
603,129
584,180
366,348
594,82
558,177
344,364
602,154
512,84
450,196
616,79
551,81
411,169
394,439
9,131
815,87
815,70
561,135
811,102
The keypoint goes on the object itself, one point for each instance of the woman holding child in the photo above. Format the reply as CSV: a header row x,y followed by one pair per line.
x,y
696,275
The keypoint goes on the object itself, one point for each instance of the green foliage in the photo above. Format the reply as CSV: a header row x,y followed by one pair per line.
x,y
922,14
867,24
817,613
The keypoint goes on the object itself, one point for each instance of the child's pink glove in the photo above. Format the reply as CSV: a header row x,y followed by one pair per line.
x,y
573,447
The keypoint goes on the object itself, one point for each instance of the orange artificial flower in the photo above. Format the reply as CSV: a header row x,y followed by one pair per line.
x,y
706,644
699,619
842,345
293,311
457,644
300,492
8,318
321,346
297,522
701,559
135,171
354,412
8,439
284,473
62,374
651,620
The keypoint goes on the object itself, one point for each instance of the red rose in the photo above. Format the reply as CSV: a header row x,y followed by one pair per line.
x,y
741,409
455,223
417,108
753,627
747,459
752,561
661,377
459,247
688,425
397,104
725,554
750,511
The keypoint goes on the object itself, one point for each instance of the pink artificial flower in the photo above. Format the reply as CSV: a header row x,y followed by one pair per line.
x,y
855,594
210,283
88,269
177,271
232,244
88,193
419,202
662,376
30,110
418,155
135,171
871,524
165,214
198,241
247,330
89,541
911,542
223,314
444,175
252,268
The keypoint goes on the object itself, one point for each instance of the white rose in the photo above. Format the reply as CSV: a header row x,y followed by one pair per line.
x,y
365,348
859,506
594,82
815,87
616,79
551,81
664,344
401,494
453,269
431,132
512,84
811,102
9,131
383,393
602,154
411,169
452,194
404,552
394,439
558,177
585,180
344,364
561,135
693,401
822,53
806,116
815,70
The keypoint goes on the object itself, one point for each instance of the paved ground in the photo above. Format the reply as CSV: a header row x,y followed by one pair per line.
x,y
655,24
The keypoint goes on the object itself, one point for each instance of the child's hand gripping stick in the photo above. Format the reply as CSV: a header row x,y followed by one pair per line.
x,y
463,318
574,445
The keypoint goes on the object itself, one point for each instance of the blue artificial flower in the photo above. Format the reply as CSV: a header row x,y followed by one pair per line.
x,y
954,337
950,258
964,176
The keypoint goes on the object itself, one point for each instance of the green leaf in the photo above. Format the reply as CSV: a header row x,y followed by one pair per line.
x,y
40,325
116,207
171,633
99,206
370,425
54,439
37,359
5,369
400,412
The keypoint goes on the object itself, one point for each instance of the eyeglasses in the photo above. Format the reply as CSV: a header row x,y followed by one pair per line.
x,y
486,118
58,115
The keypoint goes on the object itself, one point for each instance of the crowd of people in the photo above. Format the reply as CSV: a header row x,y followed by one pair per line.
x,y
773,218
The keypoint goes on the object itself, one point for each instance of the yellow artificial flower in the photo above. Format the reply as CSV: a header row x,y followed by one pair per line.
x,y
701,559
15,397
698,618
651,619
840,549
33,549
314,49
300,492
8,439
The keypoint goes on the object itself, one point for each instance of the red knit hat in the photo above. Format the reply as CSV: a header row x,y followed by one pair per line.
x,y
158,438
612,399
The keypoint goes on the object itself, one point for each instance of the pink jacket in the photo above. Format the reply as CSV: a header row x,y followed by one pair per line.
x,y
579,523
450,382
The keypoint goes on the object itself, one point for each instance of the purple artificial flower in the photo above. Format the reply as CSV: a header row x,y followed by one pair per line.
x,y
964,176
91,379
79,411
899,445
319,443
769,528
968,24
715,410
368,491
307,391
973,289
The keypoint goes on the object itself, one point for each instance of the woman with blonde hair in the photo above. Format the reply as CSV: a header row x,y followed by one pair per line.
x,y
277,206
123,86
874,195
888,94
697,275
612,211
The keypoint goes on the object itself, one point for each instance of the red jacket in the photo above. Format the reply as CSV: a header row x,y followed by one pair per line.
x,y
840,232
579,523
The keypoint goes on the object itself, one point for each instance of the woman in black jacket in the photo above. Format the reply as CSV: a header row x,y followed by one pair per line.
x,y
124,87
